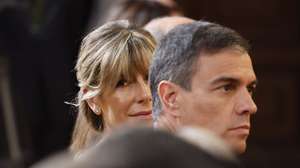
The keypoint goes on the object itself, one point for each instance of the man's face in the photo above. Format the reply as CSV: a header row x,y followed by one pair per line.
x,y
220,98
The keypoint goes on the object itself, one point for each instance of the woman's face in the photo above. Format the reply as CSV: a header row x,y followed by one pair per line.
x,y
129,102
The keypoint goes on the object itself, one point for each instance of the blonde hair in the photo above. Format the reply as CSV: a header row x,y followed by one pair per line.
x,y
114,51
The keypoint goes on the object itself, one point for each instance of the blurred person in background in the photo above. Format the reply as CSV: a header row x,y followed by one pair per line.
x,y
144,147
136,147
159,27
140,12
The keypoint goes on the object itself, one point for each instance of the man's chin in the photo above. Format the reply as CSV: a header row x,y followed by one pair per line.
x,y
239,147
237,144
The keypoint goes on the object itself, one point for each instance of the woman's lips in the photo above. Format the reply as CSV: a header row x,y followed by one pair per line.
x,y
141,114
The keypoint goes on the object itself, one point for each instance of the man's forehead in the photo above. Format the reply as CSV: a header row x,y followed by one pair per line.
x,y
224,58
226,64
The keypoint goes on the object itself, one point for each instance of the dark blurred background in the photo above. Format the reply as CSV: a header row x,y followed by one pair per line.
x,y
39,42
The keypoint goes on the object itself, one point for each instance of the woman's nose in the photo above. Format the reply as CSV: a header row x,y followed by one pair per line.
x,y
145,94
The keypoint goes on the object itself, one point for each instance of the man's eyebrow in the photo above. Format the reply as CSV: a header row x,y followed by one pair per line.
x,y
255,82
224,79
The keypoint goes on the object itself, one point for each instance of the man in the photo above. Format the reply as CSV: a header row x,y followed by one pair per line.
x,y
202,75
159,27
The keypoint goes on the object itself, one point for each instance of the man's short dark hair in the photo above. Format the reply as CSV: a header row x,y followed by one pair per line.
x,y
176,55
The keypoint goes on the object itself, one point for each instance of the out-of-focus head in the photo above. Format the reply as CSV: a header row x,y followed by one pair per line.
x,y
202,75
159,27
61,159
145,147
136,147
112,72
141,12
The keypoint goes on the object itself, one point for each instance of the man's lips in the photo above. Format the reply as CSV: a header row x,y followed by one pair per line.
x,y
241,130
245,126
141,113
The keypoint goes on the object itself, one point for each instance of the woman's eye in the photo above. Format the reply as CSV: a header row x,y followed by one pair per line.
x,y
122,83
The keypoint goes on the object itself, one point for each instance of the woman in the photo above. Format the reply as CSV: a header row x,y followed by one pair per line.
x,y
112,71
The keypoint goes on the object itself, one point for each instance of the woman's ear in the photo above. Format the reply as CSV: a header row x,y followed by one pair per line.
x,y
92,103
93,106
168,95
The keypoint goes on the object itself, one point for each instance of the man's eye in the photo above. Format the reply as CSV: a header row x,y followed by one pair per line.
x,y
228,87
122,83
251,89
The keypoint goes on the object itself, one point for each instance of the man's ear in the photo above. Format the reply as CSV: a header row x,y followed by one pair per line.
x,y
168,95
92,103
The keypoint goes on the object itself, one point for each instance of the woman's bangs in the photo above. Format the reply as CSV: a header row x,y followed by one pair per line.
x,y
134,59
139,61
133,63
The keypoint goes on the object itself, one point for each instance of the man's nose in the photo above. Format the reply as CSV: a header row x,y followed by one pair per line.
x,y
245,103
